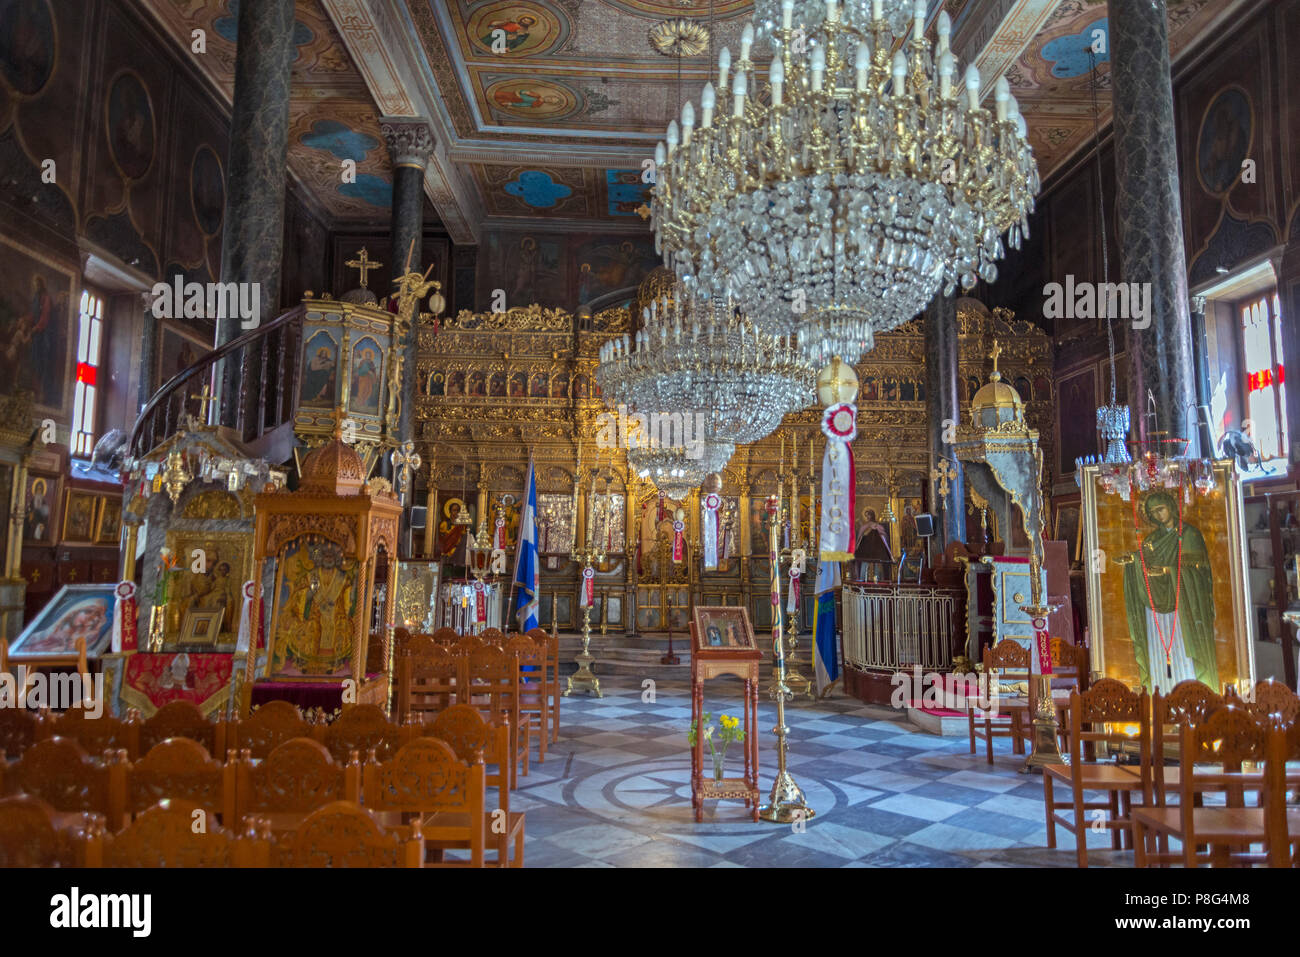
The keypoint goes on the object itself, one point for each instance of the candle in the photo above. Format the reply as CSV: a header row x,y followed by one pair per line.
x,y
861,60
738,95
973,86
708,100
777,76
818,67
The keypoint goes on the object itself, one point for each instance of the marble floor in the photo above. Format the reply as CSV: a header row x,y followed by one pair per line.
x,y
614,791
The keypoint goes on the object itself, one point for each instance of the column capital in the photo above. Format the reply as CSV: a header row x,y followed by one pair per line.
x,y
409,139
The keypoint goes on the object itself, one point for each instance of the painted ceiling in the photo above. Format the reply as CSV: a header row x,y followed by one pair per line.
x,y
544,109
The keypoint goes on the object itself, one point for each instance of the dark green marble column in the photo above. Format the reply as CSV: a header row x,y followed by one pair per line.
x,y
410,141
252,240
940,323
1150,218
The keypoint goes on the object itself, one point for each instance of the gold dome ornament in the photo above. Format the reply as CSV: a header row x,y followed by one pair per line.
x,y
712,483
679,37
995,402
837,383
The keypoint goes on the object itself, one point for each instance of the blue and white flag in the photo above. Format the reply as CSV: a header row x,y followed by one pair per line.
x,y
527,599
826,659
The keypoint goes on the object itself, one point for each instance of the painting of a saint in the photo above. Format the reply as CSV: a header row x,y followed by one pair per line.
x,y
518,385
79,512
497,385
320,371
317,601
34,317
77,611
36,519
1169,599
130,126
537,386
477,384
514,33
26,44
1224,140
436,383
580,387
452,539
890,390
519,99
560,386
207,190
870,390
366,383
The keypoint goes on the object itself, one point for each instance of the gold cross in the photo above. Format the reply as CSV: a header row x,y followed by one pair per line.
x,y
206,398
405,459
643,211
363,263
997,351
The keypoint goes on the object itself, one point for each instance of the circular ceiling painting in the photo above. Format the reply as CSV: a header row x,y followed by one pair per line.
x,y
130,125
207,190
26,44
511,28
532,99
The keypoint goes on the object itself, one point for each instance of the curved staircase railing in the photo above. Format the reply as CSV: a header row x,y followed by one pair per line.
x,y
266,357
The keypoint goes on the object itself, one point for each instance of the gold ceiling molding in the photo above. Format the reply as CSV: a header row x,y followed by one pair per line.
x,y
531,318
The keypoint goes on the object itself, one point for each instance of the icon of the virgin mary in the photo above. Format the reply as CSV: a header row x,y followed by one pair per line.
x,y
1169,600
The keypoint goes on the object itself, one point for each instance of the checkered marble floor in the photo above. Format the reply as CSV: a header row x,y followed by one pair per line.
x,y
615,792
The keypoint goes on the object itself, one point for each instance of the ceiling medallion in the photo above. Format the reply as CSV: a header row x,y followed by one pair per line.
x,y
831,192
679,37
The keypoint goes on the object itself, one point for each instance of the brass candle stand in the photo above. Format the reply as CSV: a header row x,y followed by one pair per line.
x,y
583,679
786,803
1045,750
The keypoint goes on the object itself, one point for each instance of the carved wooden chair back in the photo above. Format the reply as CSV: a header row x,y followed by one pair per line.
x,y
98,735
359,728
181,769
166,835
1070,661
19,730
32,836
446,636
180,719
427,677
468,733
490,679
426,778
1273,697
1112,713
493,636
467,644
294,780
64,776
268,727
534,689
341,834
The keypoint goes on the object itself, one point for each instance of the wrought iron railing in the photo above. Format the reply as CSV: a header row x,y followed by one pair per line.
x,y
891,627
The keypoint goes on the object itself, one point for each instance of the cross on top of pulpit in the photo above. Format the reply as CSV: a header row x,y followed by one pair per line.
x,y
404,459
364,264
943,473
997,351
206,398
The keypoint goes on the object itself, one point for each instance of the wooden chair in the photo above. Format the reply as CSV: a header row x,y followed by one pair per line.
x,y
61,774
1011,660
98,735
1108,702
534,697
179,769
294,780
33,834
427,677
341,834
1211,757
268,727
1273,697
470,735
19,730
552,645
180,719
493,636
1188,701
360,728
445,795
490,682
166,835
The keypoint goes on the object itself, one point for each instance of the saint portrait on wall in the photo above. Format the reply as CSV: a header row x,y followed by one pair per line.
x,y
497,385
518,387
436,383
453,538
455,383
26,44
37,517
1169,599
36,313
316,601
477,384
367,359
130,126
320,371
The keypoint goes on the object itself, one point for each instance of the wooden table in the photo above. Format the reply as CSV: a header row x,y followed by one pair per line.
x,y
743,664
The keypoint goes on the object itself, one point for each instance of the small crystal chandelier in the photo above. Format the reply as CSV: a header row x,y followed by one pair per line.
x,y
700,360
675,471
835,200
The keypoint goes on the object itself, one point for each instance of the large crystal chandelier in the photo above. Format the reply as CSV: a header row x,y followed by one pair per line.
x,y
833,197
676,471
699,367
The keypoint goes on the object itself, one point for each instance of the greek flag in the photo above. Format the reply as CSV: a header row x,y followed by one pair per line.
x,y
826,659
527,600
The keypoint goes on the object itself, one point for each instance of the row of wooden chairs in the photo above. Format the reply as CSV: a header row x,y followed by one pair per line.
x,y
423,777
452,640
1202,728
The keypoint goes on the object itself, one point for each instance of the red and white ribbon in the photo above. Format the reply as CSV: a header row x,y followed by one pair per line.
x,y
588,587
1041,660
124,612
480,602
678,541
839,481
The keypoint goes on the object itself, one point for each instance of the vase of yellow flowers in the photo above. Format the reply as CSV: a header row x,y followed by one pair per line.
x,y
719,738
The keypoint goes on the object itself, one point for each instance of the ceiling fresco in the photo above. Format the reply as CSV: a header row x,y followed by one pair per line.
x,y
546,107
